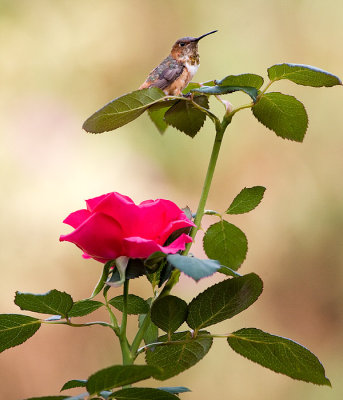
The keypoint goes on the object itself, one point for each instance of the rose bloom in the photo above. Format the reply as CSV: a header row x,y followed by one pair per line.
x,y
113,226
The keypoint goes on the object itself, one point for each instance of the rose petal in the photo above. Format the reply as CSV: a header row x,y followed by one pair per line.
x,y
97,201
76,218
172,227
119,207
178,244
137,247
101,237
154,216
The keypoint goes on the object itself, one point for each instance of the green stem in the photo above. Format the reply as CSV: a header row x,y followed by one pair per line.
x,y
124,318
220,130
266,88
172,281
139,336
124,344
66,322
235,110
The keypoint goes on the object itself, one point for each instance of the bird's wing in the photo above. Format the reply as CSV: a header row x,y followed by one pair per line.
x,y
166,75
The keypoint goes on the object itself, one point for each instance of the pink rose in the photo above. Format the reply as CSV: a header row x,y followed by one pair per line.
x,y
113,226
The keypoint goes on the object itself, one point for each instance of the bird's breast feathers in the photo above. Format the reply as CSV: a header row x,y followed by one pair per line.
x,y
192,69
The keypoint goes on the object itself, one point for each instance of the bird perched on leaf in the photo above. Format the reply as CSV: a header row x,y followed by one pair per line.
x,y
177,70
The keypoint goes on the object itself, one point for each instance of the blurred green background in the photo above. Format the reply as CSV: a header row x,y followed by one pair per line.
x,y
61,61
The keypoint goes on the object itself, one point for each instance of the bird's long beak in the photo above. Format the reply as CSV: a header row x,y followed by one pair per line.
x,y
202,36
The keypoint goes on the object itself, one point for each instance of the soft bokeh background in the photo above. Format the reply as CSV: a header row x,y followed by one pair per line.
x,y
62,60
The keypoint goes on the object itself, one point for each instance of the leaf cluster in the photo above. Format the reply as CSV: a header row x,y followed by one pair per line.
x,y
175,351
282,113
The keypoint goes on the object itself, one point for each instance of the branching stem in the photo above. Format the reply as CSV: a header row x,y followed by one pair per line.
x,y
69,323
266,88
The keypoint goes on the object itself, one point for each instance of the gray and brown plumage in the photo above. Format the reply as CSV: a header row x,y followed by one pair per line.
x,y
177,70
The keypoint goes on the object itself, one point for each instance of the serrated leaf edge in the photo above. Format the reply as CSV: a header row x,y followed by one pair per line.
x,y
309,67
180,130
232,335
246,253
230,213
292,140
45,305
229,279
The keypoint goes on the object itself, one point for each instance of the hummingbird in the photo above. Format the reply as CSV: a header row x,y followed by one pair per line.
x,y
177,70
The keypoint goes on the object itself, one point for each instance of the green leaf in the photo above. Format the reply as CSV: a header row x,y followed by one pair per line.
x,y
278,354
156,113
218,90
226,243
174,389
122,110
168,313
246,200
139,393
177,357
195,85
303,75
209,83
165,273
228,271
157,117
15,329
224,300
154,260
151,333
283,114
159,269
252,80
192,266
101,283
165,102
186,117
84,307
118,375
52,302
74,383
190,86
135,304
154,277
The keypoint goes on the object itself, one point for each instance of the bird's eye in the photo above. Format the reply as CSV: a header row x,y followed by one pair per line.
x,y
182,44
